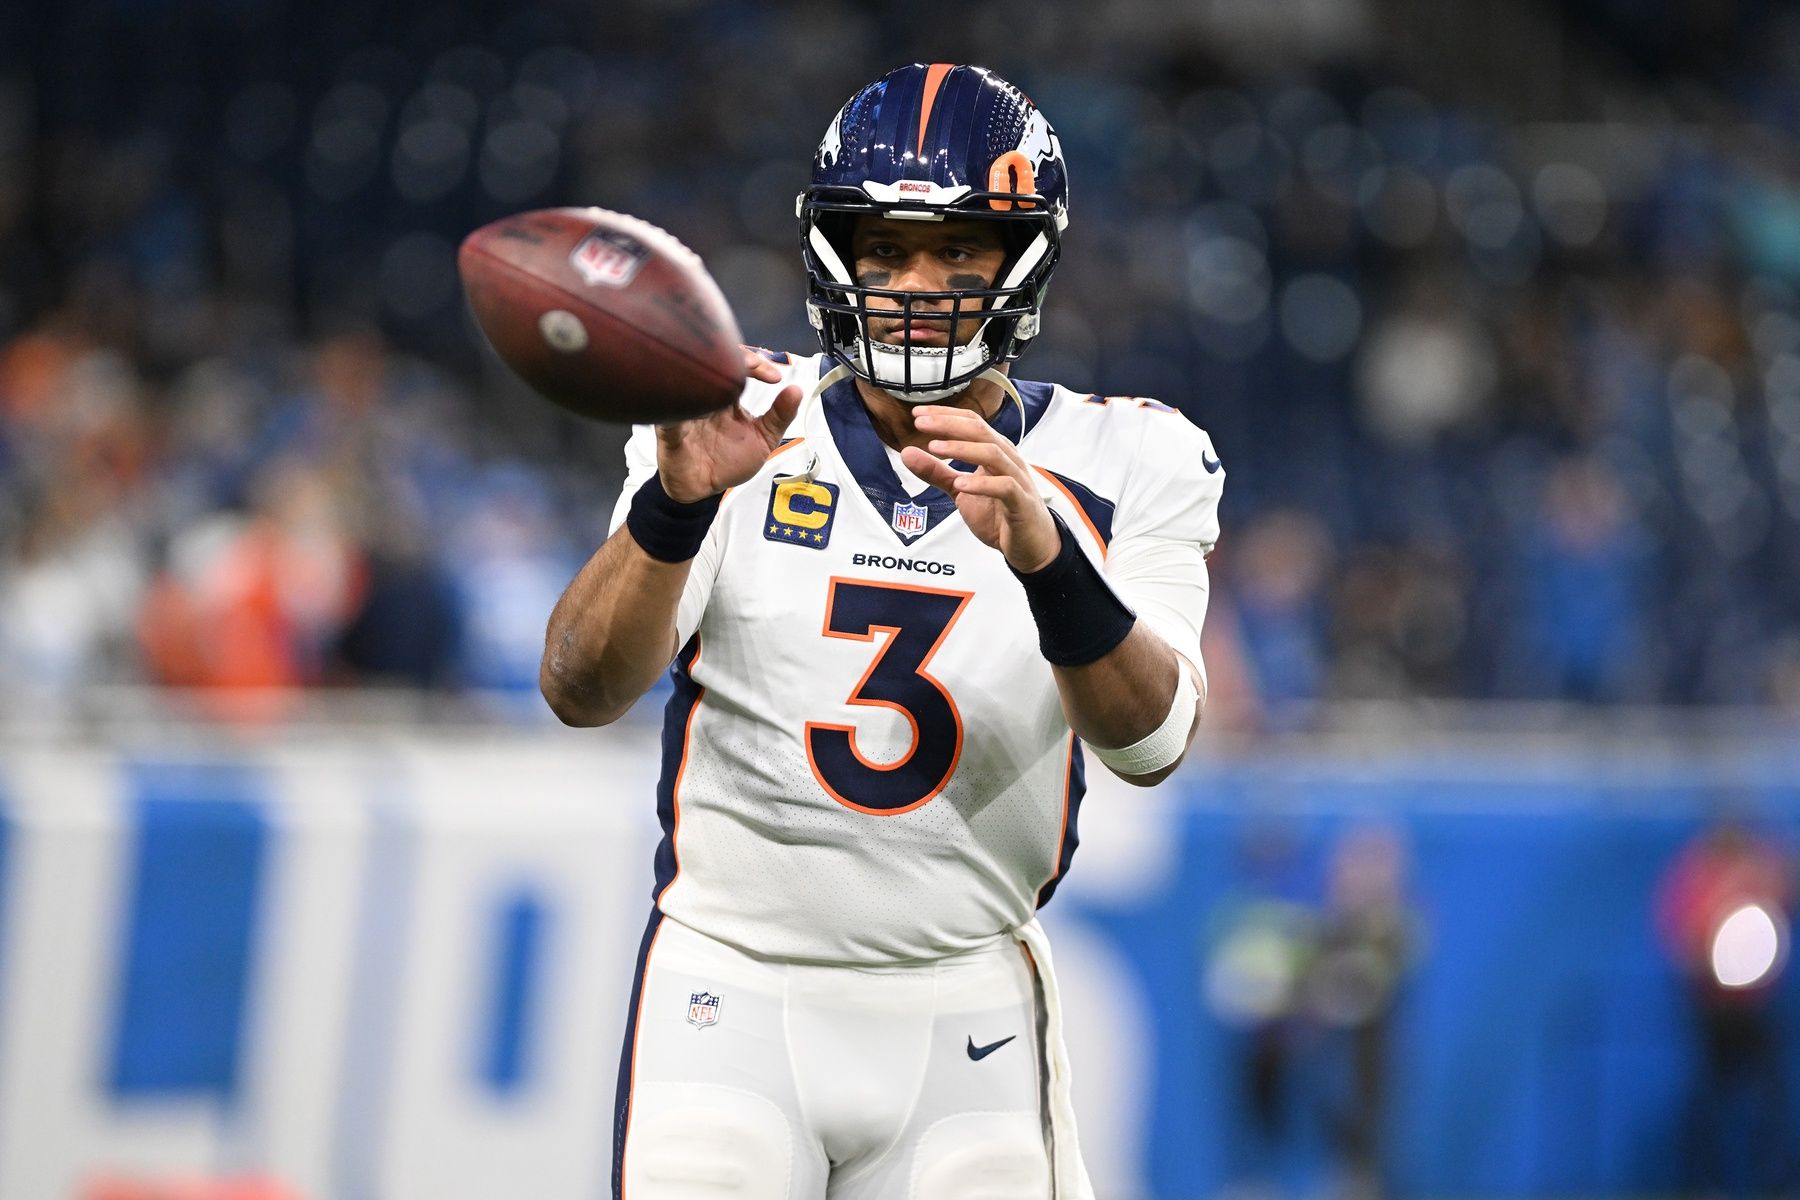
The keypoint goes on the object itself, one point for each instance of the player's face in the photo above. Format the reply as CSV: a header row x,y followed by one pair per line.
x,y
925,256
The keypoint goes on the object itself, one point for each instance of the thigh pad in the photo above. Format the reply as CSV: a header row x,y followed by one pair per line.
x,y
697,1141
982,1156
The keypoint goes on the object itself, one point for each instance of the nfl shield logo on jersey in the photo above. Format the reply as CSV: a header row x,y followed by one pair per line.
x,y
909,519
609,258
703,1010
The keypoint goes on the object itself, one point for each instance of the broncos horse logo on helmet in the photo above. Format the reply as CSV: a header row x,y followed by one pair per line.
x,y
927,142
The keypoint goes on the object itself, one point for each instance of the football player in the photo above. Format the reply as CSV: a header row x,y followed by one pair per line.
x,y
900,590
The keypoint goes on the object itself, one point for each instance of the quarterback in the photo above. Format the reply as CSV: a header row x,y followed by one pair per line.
x,y
900,590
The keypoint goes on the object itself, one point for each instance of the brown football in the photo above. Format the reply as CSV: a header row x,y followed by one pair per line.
x,y
605,314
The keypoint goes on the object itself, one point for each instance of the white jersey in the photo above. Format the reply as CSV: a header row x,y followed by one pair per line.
x,y
865,757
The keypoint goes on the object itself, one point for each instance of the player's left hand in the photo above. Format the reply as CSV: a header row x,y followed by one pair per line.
x,y
999,499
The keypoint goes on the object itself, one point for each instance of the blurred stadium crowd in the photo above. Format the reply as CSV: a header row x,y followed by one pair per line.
x,y
1510,402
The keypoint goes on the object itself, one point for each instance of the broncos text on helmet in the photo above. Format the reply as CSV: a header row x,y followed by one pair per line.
x,y
927,142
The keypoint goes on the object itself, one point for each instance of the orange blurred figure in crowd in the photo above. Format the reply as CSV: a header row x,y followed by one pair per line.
x,y
256,602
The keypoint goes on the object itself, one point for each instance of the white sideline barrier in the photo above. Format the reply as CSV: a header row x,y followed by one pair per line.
x,y
385,876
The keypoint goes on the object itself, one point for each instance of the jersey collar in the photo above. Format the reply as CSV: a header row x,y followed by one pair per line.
x,y
866,455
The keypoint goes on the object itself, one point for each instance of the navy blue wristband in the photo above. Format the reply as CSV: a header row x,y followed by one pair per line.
x,y
668,530
1079,618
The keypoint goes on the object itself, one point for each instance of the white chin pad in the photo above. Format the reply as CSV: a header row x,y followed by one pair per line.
x,y
889,365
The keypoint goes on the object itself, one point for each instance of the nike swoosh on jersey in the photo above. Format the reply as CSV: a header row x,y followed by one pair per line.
x,y
977,1053
1211,464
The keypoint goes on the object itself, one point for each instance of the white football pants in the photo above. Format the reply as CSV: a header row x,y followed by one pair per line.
x,y
760,1080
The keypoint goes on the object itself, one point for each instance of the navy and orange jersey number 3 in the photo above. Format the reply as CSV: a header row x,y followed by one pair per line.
x,y
917,619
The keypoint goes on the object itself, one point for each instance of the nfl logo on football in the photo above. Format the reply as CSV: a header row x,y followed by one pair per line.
x,y
703,1010
909,519
609,258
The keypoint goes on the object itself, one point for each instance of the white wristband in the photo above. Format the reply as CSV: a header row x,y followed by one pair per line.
x,y
1167,742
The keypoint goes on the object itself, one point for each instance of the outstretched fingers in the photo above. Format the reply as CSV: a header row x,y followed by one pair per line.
x,y
962,427
1003,488
757,366
962,435
980,454
774,423
932,470
1024,530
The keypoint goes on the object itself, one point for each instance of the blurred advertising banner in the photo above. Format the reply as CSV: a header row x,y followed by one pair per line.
x,y
384,971
394,967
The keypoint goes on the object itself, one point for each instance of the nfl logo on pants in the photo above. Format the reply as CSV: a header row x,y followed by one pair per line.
x,y
909,519
703,1010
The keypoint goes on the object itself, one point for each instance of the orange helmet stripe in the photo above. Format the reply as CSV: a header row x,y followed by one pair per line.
x,y
934,79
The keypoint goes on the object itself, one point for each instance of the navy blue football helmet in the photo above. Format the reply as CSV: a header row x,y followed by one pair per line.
x,y
929,142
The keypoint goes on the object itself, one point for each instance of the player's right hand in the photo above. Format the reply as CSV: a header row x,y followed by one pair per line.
x,y
703,457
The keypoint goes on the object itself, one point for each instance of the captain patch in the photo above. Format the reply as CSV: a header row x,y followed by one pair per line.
x,y
801,511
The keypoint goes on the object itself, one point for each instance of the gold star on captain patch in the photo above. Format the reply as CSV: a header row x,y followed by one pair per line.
x,y
818,537
773,528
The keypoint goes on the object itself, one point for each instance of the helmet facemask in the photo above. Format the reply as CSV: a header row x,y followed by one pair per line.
x,y
1005,314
